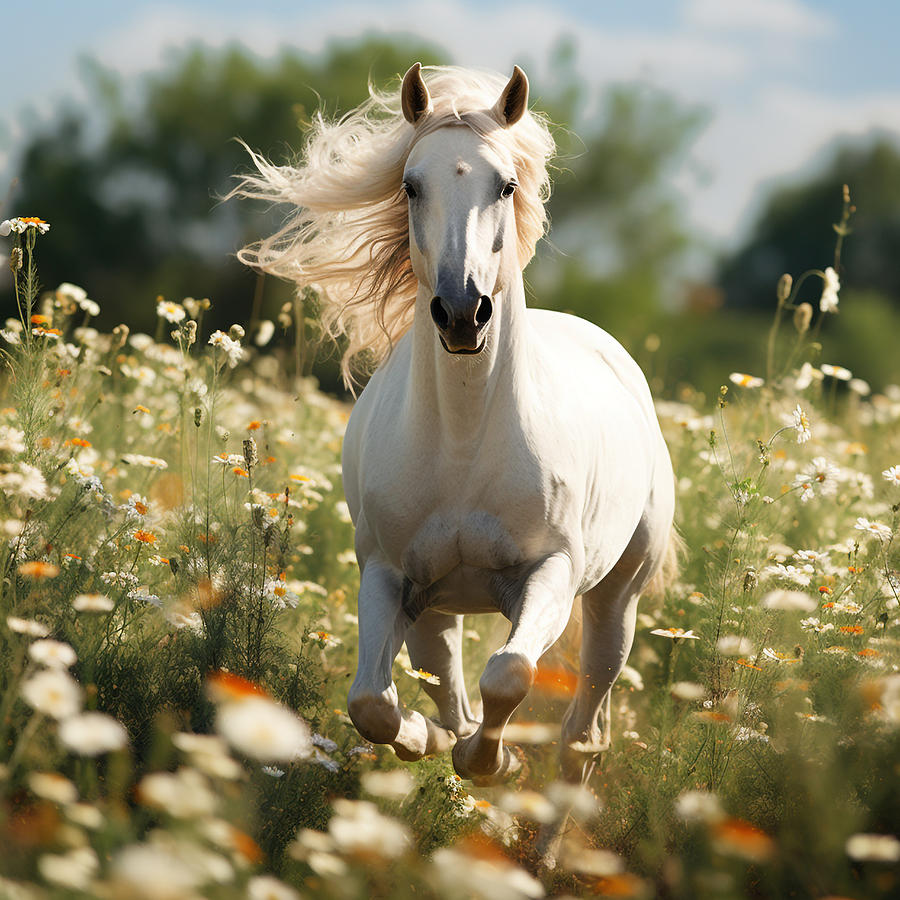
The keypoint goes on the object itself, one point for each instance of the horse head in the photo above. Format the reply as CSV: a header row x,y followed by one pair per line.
x,y
461,184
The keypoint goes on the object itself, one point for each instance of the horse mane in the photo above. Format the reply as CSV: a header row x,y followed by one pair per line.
x,y
348,231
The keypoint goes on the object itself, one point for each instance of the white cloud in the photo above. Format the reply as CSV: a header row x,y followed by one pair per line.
x,y
779,17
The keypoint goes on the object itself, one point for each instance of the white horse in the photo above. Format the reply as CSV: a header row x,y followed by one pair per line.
x,y
501,459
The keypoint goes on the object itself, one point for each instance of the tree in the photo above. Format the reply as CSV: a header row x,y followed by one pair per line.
x,y
793,232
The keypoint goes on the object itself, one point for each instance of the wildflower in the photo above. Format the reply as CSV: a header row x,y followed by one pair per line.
x,y
148,462
38,570
859,386
232,349
53,654
490,873
736,837
801,575
806,376
734,645
873,848
876,529
813,624
144,537
747,381
393,785
676,634
838,372
228,459
831,285
11,440
267,887
531,733
209,754
326,639
822,478
687,690
171,312
85,815
795,601
777,656
27,626
358,828
530,805
422,675
74,869
892,475
811,556
264,333
263,729
53,787
799,421
93,733
699,807
53,692
21,224
184,794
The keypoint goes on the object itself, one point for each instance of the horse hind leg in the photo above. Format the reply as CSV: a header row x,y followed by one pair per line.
x,y
434,642
609,613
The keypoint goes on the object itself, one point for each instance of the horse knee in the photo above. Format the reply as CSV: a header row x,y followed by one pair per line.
x,y
375,714
506,679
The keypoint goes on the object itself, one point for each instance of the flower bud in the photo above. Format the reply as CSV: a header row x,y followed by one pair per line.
x,y
120,335
236,333
785,283
802,317
198,416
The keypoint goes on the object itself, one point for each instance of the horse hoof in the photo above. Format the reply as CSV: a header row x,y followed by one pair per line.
x,y
510,764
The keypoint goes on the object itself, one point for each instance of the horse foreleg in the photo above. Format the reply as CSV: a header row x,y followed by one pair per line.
x,y
373,702
538,619
435,644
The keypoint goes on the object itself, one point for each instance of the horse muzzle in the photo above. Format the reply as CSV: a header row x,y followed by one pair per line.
x,y
462,323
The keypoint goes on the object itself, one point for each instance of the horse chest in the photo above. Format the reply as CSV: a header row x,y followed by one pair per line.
x,y
463,519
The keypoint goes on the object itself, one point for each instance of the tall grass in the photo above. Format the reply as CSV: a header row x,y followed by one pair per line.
x,y
178,632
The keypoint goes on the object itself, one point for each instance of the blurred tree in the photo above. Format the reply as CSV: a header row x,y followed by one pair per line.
x,y
131,188
793,232
135,211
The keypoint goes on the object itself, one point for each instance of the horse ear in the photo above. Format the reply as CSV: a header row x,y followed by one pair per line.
x,y
513,101
414,96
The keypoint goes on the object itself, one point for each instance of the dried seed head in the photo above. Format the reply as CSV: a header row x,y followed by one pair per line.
x,y
198,416
15,259
251,457
802,317
190,332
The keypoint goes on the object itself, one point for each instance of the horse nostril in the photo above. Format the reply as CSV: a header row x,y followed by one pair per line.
x,y
439,313
483,313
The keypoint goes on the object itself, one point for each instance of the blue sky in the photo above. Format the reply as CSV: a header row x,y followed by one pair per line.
x,y
780,78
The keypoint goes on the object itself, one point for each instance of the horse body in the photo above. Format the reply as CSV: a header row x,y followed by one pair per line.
x,y
501,459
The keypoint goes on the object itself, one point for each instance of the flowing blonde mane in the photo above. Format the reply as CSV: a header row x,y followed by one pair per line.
x,y
348,231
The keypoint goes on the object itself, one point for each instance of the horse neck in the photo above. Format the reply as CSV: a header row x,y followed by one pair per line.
x,y
458,396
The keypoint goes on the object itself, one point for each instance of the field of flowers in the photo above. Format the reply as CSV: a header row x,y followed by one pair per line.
x,y
178,632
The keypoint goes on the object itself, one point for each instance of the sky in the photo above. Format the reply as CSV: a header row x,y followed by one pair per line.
x,y
781,79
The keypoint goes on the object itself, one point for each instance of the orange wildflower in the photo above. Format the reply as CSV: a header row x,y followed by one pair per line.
x,y
868,652
851,629
241,473
78,442
38,319
824,589
145,537
739,838
254,425
225,686
553,680
748,665
37,569
624,885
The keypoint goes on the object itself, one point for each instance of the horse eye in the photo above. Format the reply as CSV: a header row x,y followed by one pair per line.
x,y
508,189
410,190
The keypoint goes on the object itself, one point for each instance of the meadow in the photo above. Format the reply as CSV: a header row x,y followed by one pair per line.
x,y
178,633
